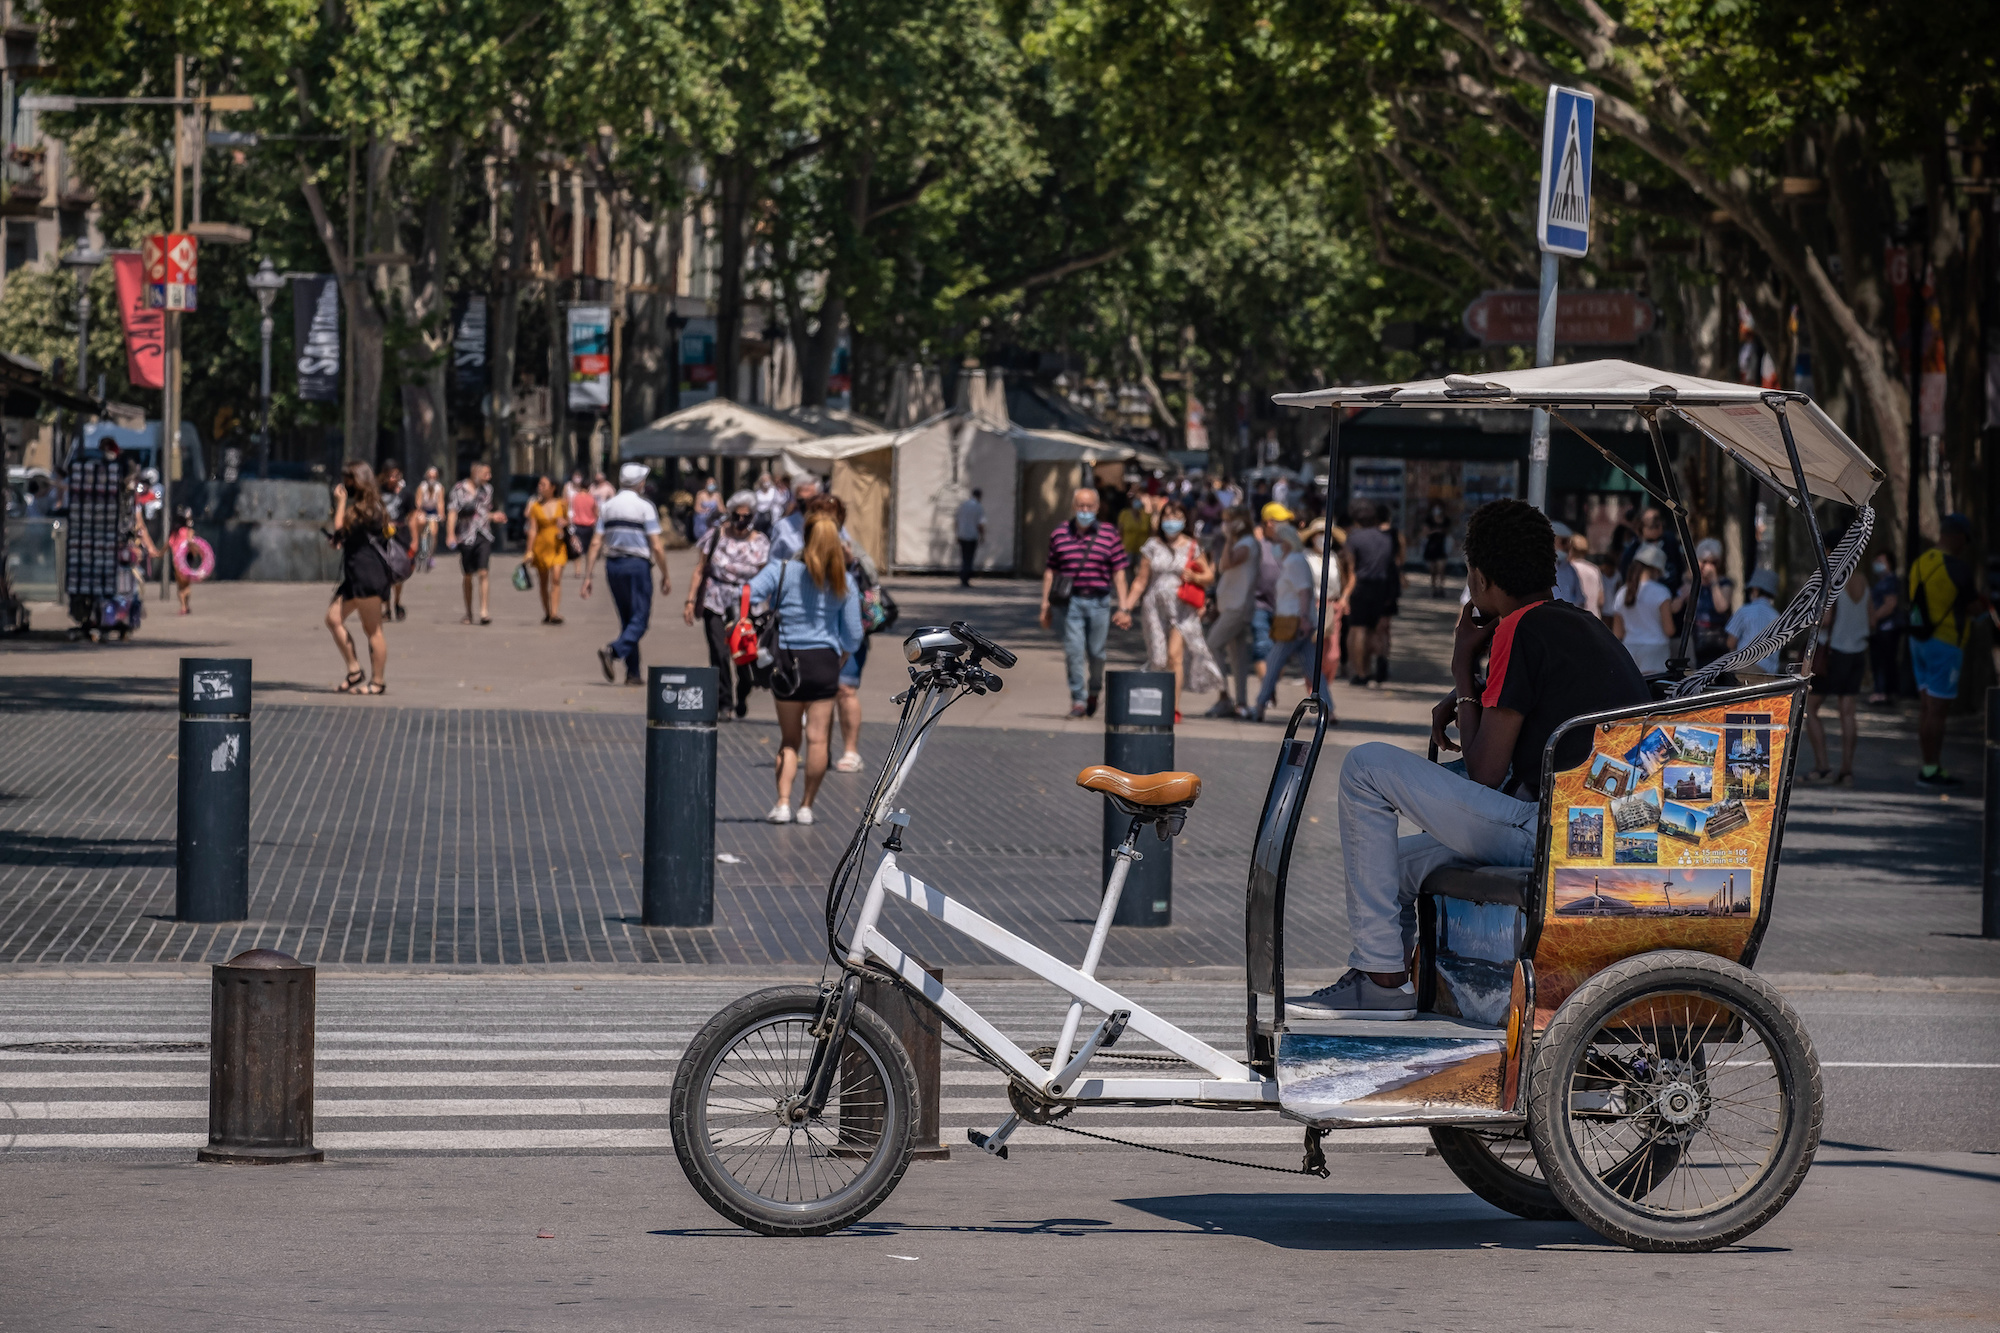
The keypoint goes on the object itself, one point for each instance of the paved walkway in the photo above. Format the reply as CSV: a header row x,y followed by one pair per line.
x,y
488,831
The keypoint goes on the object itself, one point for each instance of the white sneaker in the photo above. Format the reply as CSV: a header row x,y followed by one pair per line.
x,y
848,763
804,816
781,813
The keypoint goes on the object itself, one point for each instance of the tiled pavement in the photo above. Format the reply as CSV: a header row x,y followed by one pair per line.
x,y
445,838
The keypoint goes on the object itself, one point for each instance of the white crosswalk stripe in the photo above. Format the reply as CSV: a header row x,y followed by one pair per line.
x,y
512,1064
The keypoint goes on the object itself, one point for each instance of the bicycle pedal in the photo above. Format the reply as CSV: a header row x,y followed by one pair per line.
x,y
1115,1029
980,1141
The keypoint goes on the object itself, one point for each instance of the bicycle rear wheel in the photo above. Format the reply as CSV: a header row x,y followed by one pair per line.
x,y
749,1148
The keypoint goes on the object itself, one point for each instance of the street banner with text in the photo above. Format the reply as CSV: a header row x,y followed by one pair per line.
x,y
589,356
145,327
468,349
170,271
316,332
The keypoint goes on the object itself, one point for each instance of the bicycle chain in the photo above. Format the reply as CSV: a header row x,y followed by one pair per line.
x,y
1314,1165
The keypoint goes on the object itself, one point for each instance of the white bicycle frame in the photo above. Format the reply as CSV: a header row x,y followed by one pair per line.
x,y
1064,1080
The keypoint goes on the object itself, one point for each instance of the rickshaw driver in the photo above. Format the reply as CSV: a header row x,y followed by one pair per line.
x,y
1550,661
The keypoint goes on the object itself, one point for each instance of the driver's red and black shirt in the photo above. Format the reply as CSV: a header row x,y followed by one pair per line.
x,y
1550,662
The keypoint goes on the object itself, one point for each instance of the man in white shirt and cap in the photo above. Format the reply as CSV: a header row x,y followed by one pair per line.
x,y
628,537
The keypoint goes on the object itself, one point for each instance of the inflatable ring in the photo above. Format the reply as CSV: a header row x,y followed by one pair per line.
x,y
194,558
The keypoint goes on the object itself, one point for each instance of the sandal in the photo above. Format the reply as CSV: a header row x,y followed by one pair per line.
x,y
352,685
373,687
486,620
1820,775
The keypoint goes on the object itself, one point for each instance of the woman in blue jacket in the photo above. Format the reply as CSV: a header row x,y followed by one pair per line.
x,y
819,625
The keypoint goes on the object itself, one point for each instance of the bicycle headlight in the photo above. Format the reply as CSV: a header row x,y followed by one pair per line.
x,y
924,645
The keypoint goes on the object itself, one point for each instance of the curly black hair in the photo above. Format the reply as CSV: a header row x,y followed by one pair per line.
x,y
1512,544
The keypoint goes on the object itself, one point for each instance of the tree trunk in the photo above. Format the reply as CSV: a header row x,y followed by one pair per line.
x,y
733,176
425,364
364,320
507,319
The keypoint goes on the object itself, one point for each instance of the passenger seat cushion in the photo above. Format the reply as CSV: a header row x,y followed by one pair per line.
x,y
1482,884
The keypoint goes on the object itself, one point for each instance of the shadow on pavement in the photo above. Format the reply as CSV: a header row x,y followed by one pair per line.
x,y
1363,1221
32,849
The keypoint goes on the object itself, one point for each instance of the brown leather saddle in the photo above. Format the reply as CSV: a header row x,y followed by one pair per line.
x,y
1160,799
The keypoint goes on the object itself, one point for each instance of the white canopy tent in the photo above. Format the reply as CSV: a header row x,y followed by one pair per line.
x,y
1741,419
903,488
719,428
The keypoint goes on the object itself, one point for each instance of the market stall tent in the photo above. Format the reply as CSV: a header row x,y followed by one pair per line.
x,y
903,488
720,428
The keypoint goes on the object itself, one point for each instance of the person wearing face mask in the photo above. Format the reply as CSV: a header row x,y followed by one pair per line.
x,y
1170,593
1085,567
1885,621
725,560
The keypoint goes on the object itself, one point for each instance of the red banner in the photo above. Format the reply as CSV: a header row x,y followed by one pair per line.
x,y
145,329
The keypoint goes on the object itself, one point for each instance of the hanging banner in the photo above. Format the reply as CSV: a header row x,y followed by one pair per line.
x,y
145,328
589,356
468,347
697,346
170,271
316,332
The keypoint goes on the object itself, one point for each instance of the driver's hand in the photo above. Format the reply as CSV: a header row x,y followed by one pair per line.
x,y
1444,715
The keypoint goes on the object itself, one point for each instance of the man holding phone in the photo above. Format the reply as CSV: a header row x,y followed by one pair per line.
x,y
1549,661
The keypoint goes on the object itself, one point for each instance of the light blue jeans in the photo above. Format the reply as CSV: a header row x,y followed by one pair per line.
x,y
1463,823
1274,667
1086,624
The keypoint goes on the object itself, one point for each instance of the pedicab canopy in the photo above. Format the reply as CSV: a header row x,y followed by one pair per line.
x,y
1741,419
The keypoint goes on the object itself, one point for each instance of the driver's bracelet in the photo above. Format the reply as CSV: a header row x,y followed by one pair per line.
x,y
1461,700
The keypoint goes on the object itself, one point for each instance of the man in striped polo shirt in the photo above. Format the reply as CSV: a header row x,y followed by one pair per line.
x,y
1085,569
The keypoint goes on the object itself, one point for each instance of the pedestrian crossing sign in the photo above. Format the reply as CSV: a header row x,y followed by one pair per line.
x,y
1562,224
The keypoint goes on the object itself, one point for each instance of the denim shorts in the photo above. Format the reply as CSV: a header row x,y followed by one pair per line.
x,y
1936,664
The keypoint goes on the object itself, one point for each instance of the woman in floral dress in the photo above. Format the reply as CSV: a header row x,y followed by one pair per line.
x,y
1169,561
726,559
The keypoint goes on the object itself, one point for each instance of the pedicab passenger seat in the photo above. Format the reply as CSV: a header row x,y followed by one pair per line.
x,y
1509,885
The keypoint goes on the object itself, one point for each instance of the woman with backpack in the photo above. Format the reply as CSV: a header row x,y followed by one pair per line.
x,y
727,557
360,529
817,625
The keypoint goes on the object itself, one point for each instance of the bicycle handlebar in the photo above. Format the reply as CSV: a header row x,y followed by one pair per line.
x,y
983,647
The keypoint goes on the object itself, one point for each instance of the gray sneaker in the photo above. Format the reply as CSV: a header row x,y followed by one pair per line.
x,y
1355,996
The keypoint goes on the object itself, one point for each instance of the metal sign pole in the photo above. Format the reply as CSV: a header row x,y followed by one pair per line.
x,y
1545,355
1562,227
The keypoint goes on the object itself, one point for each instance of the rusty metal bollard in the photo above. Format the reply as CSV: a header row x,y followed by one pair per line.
x,y
921,1031
260,1061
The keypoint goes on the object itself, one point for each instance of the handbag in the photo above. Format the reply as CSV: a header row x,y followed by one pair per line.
x,y
878,609
395,557
1062,587
1193,596
743,634
1284,629
521,579
777,670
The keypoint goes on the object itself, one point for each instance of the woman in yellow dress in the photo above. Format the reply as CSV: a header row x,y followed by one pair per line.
x,y
548,546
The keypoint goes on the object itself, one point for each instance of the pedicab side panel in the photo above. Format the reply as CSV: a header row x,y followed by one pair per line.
x,y
1270,863
1667,836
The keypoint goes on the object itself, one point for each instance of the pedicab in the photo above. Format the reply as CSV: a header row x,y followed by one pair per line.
x,y
1591,1041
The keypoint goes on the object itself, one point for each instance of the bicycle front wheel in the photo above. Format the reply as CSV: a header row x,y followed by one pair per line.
x,y
749,1148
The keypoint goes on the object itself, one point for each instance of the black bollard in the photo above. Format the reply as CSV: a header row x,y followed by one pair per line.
x,y
679,873
1989,879
260,1061
212,830
1139,738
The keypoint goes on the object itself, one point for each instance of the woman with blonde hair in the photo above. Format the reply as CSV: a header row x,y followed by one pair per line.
x,y
360,529
818,625
548,545
1172,590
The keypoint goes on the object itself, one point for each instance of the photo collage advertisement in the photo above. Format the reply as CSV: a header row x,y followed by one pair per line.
x,y
1670,817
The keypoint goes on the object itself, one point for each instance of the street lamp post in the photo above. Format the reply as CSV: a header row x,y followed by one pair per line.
x,y
265,282
82,262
